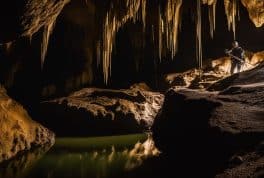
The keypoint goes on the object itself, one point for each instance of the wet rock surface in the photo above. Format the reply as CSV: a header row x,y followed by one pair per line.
x,y
215,126
18,131
93,111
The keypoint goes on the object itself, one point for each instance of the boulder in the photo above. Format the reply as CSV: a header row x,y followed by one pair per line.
x,y
18,131
93,111
212,126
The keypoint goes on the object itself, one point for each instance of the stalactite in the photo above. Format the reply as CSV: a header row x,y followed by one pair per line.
x,y
143,13
255,10
164,34
161,23
113,22
98,53
45,40
8,47
172,24
168,28
238,11
231,10
153,33
30,39
180,20
199,52
169,25
212,16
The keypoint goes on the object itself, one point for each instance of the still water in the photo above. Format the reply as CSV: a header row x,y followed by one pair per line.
x,y
97,157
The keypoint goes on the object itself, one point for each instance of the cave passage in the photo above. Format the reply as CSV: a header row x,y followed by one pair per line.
x,y
131,88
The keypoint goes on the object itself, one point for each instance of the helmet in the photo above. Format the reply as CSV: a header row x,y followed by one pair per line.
x,y
235,44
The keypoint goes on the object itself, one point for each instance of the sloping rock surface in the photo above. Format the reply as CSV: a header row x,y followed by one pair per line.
x,y
18,131
214,126
211,72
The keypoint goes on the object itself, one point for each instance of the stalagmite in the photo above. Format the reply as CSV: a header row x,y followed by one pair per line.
x,y
231,10
45,40
199,52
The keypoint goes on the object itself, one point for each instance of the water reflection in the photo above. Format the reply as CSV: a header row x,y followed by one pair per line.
x,y
87,157
21,165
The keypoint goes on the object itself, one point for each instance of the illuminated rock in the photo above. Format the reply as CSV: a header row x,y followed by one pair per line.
x,y
256,11
249,77
93,111
18,131
209,2
212,72
257,58
26,17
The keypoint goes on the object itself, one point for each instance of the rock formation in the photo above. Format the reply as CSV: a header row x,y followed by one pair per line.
x,y
212,72
26,17
93,111
215,126
255,10
247,78
18,131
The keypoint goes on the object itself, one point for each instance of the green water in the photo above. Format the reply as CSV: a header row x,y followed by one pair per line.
x,y
97,157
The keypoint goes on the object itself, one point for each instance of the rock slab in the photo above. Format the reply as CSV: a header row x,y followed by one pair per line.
x,y
93,111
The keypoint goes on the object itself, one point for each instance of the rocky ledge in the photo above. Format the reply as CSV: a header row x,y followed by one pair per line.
x,y
18,131
215,126
93,111
212,72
